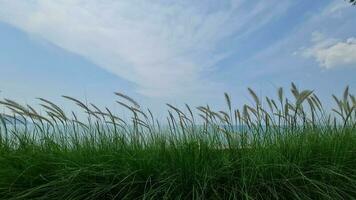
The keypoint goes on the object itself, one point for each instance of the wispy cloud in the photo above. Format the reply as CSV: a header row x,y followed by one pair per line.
x,y
331,52
164,48
332,23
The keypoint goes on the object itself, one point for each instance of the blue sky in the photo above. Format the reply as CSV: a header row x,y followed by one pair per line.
x,y
174,51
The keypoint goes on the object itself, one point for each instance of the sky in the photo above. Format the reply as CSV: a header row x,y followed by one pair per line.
x,y
174,51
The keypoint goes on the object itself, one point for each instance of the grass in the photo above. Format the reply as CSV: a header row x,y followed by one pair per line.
x,y
274,149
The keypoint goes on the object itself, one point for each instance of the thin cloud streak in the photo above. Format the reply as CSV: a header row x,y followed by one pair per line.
x,y
331,52
163,48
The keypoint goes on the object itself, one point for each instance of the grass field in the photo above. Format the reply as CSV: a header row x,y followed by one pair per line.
x,y
276,148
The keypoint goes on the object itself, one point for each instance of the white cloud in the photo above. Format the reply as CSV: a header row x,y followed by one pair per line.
x,y
331,52
161,46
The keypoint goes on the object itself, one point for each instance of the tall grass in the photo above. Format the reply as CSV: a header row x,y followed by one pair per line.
x,y
276,148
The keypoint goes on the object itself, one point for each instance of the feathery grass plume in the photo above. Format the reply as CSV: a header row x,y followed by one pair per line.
x,y
203,109
228,101
82,105
280,95
128,98
32,109
348,116
21,110
316,102
312,157
151,116
294,90
97,109
226,117
3,139
286,109
275,105
52,112
312,109
181,117
132,109
55,107
13,105
213,119
339,113
253,110
246,116
238,115
269,104
346,103
346,93
173,122
141,122
302,97
175,109
140,112
353,99
267,119
112,116
127,107
339,104
254,96
190,112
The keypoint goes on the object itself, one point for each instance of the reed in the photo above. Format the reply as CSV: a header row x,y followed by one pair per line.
x,y
278,149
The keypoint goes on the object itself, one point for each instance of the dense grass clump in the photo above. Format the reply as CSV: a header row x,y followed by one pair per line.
x,y
274,149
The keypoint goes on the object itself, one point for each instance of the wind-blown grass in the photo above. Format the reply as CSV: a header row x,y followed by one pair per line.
x,y
274,149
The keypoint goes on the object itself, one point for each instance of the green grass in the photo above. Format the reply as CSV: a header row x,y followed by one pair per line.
x,y
273,149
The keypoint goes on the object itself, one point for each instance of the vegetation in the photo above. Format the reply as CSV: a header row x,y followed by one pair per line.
x,y
276,148
353,2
